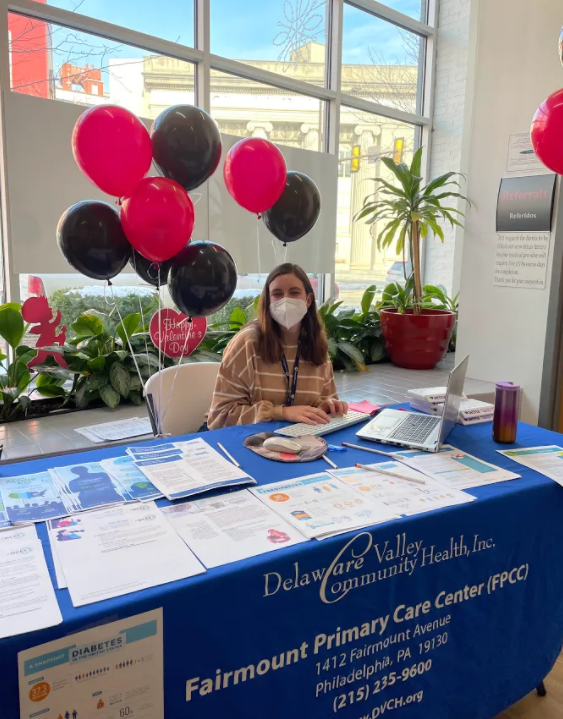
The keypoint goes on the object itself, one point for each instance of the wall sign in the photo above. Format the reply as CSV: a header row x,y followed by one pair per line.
x,y
521,260
525,204
521,156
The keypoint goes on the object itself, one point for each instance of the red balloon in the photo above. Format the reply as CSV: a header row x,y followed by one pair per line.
x,y
255,174
547,132
113,148
158,218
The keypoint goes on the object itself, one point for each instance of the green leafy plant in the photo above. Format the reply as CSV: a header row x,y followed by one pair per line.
x,y
407,212
354,338
15,376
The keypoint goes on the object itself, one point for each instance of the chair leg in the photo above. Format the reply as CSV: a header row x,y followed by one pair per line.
x,y
541,690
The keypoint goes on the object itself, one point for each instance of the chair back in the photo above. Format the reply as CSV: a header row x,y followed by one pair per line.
x,y
187,391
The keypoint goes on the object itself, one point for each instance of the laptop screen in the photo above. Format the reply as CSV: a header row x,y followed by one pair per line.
x,y
452,402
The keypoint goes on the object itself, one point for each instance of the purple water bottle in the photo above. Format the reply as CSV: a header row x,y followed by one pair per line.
x,y
507,411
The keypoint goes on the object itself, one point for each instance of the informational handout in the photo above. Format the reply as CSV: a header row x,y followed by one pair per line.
x,y
113,431
32,498
187,468
4,521
27,597
110,672
455,469
521,260
546,460
87,486
400,496
128,547
130,477
321,506
233,526
521,156
52,526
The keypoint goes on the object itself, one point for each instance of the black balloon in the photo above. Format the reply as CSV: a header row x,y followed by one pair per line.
x,y
297,210
202,279
148,270
91,238
186,145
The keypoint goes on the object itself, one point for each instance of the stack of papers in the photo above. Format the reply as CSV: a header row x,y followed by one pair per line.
x,y
27,597
545,460
455,469
182,469
234,526
400,496
4,521
87,486
321,506
125,471
128,548
31,498
113,431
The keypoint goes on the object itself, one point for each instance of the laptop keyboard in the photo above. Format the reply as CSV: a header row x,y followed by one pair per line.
x,y
415,429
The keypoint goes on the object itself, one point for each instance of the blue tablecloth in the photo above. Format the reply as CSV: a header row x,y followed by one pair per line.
x,y
469,653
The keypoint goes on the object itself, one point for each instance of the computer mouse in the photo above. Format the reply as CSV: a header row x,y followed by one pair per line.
x,y
279,444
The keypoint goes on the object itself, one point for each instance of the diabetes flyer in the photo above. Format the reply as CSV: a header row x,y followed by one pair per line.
x,y
109,672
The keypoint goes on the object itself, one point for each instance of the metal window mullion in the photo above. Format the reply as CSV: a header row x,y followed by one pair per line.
x,y
82,23
394,16
203,43
358,103
11,289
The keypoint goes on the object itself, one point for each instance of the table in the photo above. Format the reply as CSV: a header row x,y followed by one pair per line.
x,y
369,623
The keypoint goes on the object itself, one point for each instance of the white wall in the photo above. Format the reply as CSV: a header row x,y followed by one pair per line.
x,y
43,181
517,66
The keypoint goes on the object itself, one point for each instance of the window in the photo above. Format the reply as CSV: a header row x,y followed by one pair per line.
x,y
251,109
283,36
53,62
418,9
171,20
381,62
359,263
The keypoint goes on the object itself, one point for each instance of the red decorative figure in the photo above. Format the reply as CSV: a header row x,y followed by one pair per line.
x,y
36,309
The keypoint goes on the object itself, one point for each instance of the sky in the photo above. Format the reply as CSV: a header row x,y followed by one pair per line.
x,y
254,29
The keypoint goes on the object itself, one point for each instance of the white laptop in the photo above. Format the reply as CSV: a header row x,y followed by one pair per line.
x,y
419,431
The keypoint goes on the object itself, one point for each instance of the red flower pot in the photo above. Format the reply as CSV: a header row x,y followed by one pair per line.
x,y
417,341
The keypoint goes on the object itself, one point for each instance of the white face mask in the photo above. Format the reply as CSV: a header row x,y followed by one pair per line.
x,y
288,311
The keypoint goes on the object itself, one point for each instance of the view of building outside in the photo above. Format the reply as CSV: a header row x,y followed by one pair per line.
x,y
380,63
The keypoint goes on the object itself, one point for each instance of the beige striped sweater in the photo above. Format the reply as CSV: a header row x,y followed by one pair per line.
x,y
249,390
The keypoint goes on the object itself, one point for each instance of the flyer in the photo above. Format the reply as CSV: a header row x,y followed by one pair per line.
x,y
321,506
546,460
121,549
233,526
31,498
4,521
52,527
86,486
110,672
455,469
399,495
130,477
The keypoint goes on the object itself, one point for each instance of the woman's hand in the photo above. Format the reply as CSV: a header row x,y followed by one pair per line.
x,y
334,407
303,413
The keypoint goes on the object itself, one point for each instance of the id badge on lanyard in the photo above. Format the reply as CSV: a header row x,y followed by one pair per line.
x,y
293,389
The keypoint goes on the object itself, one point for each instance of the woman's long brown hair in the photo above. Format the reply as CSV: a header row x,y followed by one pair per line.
x,y
314,347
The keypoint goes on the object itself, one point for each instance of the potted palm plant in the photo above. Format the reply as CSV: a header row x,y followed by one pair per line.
x,y
416,336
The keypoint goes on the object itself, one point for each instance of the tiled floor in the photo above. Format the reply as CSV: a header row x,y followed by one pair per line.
x,y
383,384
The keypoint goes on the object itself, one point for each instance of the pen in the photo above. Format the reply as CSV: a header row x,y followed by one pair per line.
x,y
391,474
230,456
368,449
329,461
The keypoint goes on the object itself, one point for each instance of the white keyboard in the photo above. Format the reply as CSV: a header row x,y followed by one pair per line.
x,y
334,424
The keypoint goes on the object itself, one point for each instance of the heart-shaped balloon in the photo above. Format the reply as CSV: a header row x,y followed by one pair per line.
x,y
174,334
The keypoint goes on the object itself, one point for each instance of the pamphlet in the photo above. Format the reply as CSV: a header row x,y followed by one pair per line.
x,y
129,547
111,671
4,521
130,477
546,460
113,431
187,468
400,496
230,527
27,597
52,527
31,498
87,486
321,506
455,469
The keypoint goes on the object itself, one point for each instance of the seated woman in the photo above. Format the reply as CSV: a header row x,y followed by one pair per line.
x,y
277,367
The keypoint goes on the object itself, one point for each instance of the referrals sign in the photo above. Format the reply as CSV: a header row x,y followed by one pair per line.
x,y
525,204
